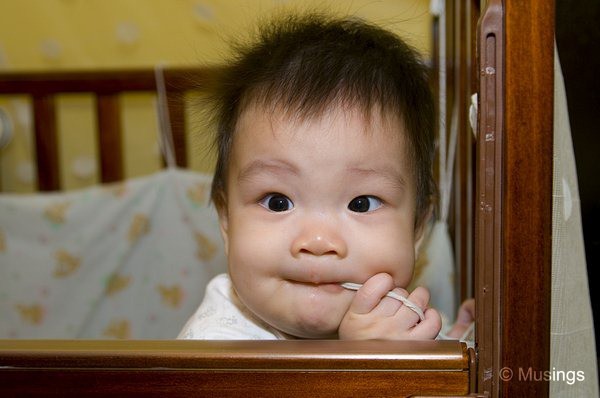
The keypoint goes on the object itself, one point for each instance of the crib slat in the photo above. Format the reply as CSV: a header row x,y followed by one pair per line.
x,y
46,143
109,137
104,84
467,75
102,81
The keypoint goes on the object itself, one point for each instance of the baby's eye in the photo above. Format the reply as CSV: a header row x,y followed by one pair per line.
x,y
365,203
276,202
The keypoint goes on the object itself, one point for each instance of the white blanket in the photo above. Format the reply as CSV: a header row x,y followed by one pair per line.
x,y
126,260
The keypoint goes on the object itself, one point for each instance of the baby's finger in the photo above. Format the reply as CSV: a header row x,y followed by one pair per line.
x,y
430,327
464,319
401,292
388,306
419,298
371,293
466,312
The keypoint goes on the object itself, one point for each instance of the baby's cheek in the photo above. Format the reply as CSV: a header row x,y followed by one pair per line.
x,y
244,264
248,244
400,263
389,248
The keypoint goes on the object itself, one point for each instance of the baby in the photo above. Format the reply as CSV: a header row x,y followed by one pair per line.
x,y
324,177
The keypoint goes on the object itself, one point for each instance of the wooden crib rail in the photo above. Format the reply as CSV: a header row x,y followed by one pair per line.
x,y
105,86
236,368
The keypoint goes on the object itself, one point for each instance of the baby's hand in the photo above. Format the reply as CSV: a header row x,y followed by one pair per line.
x,y
464,319
373,315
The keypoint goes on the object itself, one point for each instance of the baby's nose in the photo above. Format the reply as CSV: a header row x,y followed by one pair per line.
x,y
319,240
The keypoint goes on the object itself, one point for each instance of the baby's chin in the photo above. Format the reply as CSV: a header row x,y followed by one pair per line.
x,y
313,334
306,327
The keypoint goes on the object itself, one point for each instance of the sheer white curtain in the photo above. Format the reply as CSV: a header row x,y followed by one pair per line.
x,y
572,328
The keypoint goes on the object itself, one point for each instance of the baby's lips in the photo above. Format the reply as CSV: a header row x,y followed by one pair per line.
x,y
319,274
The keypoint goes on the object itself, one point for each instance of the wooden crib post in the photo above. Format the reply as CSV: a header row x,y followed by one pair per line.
x,y
527,221
513,238
108,116
46,142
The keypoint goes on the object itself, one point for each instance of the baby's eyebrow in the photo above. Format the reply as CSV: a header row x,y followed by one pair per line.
x,y
389,173
274,166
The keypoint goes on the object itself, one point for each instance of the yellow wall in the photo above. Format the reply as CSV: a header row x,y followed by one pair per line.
x,y
91,34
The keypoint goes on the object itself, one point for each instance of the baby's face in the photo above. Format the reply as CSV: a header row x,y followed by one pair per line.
x,y
312,204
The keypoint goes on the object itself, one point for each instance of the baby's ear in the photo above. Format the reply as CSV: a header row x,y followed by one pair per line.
x,y
224,225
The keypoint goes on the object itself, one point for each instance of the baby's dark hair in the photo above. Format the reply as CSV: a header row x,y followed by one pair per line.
x,y
307,64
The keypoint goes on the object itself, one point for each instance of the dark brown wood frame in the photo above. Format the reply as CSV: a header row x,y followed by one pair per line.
x,y
526,246
512,288
513,200
235,368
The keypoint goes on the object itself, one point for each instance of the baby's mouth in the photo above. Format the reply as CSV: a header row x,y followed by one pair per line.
x,y
332,287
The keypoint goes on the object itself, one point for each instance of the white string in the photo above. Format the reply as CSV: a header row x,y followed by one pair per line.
x,y
441,10
165,140
449,169
392,294
447,153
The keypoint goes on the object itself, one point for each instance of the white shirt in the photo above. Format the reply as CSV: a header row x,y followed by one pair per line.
x,y
222,316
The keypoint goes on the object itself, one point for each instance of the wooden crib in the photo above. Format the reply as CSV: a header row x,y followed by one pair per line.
x,y
105,86
508,169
